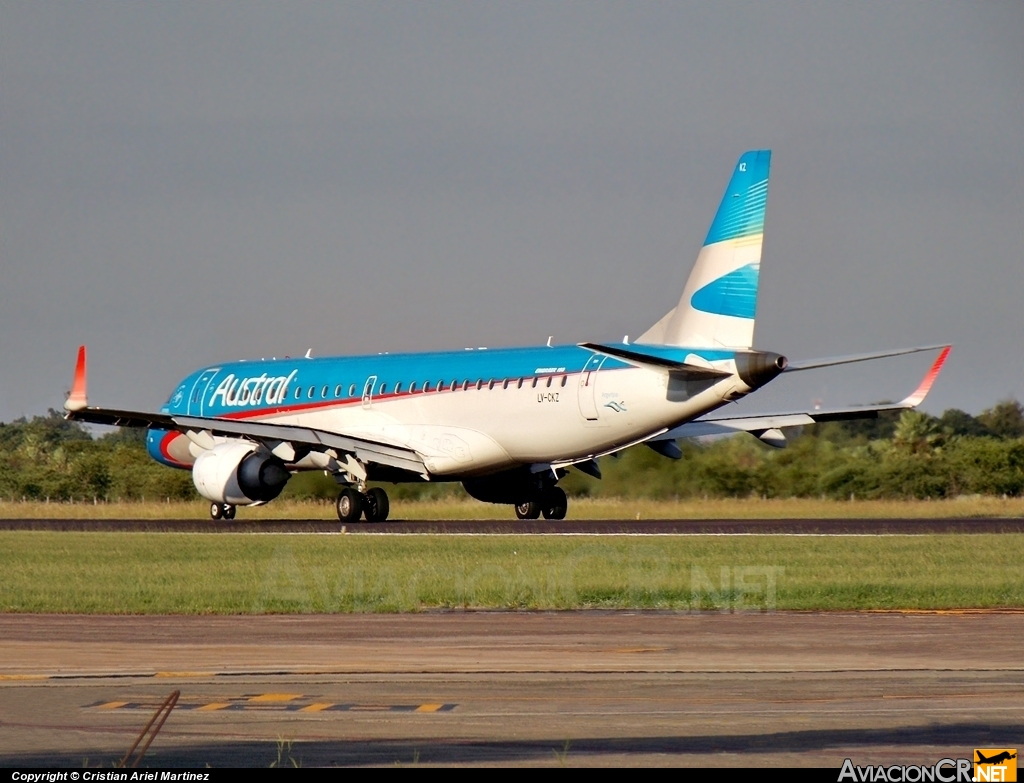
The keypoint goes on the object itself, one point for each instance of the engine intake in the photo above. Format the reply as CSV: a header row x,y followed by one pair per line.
x,y
237,473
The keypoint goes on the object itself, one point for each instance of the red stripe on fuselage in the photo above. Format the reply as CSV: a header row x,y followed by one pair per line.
x,y
165,443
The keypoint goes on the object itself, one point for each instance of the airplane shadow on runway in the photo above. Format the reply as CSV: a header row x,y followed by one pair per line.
x,y
442,751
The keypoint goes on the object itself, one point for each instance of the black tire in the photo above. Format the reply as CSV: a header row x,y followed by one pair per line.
x,y
377,507
349,505
216,510
555,504
229,511
528,510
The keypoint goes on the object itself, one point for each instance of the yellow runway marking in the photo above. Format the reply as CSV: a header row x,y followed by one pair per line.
x,y
429,707
317,707
270,697
217,705
20,677
112,705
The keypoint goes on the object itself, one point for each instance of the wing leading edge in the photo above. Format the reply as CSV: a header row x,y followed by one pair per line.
x,y
267,434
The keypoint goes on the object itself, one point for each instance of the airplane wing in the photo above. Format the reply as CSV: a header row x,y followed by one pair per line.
x,y
270,435
763,425
832,361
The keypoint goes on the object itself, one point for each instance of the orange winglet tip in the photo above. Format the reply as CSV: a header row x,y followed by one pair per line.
x,y
921,392
76,401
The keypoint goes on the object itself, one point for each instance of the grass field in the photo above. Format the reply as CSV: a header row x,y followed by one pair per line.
x,y
583,508
181,573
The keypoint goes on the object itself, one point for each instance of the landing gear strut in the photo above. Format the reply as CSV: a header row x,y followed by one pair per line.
x,y
373,504
222,511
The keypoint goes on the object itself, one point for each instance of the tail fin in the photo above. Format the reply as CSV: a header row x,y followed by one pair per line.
x,y
719,302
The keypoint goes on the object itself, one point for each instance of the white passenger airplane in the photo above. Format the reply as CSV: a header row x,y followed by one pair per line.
x,y
507,423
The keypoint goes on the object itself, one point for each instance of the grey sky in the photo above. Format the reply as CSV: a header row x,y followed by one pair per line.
x,y
182,184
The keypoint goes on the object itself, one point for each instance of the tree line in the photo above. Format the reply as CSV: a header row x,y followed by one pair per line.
x,y
906,455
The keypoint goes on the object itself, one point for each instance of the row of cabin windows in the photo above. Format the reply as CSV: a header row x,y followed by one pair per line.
x,y
440,386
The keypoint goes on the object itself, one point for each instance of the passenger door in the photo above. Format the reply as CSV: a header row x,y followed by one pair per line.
x,y
587,391
197,398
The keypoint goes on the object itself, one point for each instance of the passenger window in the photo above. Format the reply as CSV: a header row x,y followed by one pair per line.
x,y
440,385
426,386
519,383
490,384
479,385
310,393
504,384
323,392
352,390
455,384
535,381
412,387
298,393
550,378
383,388
564,379
398,387
337,390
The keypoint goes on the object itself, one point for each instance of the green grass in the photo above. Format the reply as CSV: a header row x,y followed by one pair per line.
x,y
229,574
579,508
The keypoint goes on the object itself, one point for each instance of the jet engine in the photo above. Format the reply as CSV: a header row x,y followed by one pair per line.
x,y
239,474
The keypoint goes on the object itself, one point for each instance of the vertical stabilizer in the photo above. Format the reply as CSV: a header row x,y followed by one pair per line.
x,y
719,302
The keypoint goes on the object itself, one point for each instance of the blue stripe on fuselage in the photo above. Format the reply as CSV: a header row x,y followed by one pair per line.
x,y
243,388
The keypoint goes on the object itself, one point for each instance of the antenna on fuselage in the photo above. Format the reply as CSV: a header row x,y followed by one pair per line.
x,y
308,355
550,338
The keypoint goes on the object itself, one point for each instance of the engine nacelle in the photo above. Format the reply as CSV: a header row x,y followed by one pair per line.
x,y
238,474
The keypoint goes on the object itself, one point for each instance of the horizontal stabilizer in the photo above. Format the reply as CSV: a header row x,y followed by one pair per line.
x,y
638,355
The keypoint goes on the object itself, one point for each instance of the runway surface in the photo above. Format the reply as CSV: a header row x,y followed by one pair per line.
x,y
540,526
572,688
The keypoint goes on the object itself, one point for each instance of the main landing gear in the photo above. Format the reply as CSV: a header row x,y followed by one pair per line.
x,y
373,504
222,511
553,504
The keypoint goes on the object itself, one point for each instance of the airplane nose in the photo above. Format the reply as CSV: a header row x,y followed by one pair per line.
x,y
756,368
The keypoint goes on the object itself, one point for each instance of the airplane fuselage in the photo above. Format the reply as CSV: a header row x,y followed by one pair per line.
x,y
467,413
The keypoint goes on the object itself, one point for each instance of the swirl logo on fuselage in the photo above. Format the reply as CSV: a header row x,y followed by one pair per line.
x,y
236,392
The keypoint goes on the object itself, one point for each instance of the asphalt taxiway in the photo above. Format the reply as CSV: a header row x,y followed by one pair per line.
x,y
572,688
